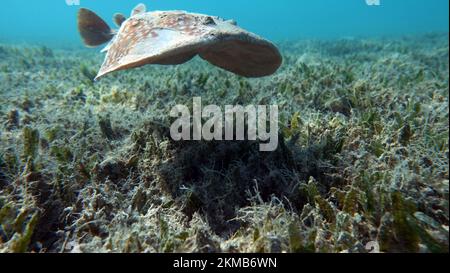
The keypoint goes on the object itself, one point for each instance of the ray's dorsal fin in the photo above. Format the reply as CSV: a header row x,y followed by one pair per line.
x,y
93,29
141,8
119,18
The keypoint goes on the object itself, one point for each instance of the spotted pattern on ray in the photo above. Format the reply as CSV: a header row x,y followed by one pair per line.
x,y
175,37
133,32
139,28
185,23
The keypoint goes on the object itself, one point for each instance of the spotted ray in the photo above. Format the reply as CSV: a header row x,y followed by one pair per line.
x,y
175,37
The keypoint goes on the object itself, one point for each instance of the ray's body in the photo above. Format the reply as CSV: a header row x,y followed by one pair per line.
x,y
175,37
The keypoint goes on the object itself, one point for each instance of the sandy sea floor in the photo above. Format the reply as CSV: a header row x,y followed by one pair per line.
x,y
363,154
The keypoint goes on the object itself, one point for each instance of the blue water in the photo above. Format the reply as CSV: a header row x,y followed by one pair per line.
x,y
50,21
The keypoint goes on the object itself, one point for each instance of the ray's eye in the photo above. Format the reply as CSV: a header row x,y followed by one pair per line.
x,y
209,21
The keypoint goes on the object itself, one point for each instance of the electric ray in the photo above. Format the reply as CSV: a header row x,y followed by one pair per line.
x,y
175,37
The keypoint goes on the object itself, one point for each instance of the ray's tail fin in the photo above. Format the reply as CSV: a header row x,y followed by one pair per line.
x,y
93,29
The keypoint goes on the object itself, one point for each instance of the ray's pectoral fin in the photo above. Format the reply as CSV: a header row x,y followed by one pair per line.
x,y
178,59
141,8
119,18
93,29
244,58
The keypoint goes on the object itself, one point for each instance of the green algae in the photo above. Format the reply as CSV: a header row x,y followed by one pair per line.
x,y
30,142
363,154
20,242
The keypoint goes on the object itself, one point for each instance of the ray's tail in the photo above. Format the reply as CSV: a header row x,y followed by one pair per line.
x,y
93,29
